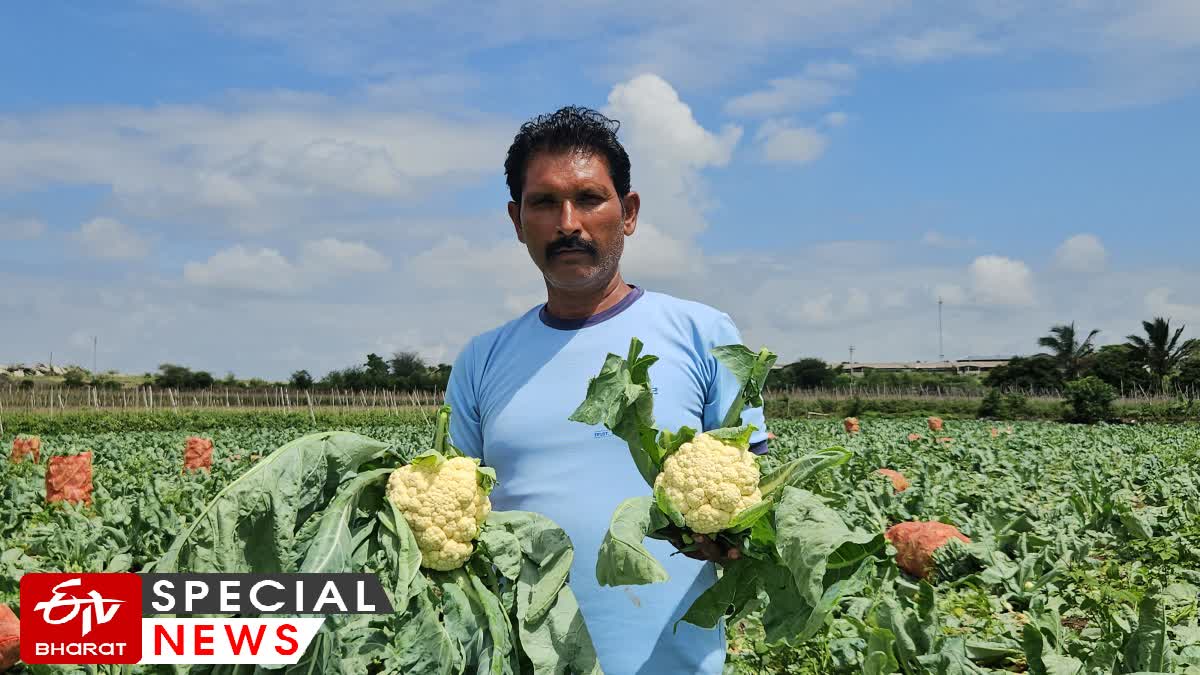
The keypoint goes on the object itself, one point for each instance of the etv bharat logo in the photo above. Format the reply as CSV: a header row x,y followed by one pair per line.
x,y
81,618
101,618
96,605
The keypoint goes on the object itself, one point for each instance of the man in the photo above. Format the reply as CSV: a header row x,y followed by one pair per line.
x,y
512,388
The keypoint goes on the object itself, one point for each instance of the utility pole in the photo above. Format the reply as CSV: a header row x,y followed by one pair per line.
x,y
93,356
941,349
851,357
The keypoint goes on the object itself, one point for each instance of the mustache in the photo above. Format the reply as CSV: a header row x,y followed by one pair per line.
x,y
571,243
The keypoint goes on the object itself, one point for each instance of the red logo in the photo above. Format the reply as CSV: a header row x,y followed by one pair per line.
x,y
81,618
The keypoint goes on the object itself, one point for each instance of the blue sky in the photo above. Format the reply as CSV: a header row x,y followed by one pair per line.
x,y
233,187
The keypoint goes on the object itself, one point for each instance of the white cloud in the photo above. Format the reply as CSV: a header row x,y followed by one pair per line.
x,y
939,240
799,302
817,309
16,229
455,263
950,294
1172,23
701,44
1158,303
111,239
267,270
657,117
252,164
519,303
933,44
341,257
831,70
651,254
259,162
784,95
797,305
858,303
893,298
836,119
1082,253
686,43
242,268
783,143
669,149
997,280
820,84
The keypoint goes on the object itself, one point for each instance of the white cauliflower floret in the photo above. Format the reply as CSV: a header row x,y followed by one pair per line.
x,y
445,507
710,482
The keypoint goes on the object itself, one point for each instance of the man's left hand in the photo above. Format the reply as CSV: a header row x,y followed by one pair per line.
x,y
712,550
704,548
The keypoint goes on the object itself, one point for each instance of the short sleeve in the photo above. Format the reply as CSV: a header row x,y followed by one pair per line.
x,y
466,430
723,386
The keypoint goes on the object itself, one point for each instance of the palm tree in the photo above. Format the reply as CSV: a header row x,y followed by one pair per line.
x,y
1067,350
1161,352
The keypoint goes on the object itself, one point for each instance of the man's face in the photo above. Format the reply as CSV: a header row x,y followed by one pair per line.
x,y
571,219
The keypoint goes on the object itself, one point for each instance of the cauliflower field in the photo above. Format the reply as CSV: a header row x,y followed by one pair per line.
x,y
1084,553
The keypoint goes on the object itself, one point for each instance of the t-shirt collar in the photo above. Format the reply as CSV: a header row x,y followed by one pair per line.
x,y
599,317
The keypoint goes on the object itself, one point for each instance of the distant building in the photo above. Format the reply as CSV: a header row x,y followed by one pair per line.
x,y
973,366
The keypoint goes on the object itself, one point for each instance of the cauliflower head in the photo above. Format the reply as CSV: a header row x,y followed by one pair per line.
x,y
444,505
710,482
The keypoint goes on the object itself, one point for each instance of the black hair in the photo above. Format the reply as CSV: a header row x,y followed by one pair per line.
x,y
568,128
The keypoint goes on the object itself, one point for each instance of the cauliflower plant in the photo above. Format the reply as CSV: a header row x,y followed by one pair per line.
x,y
445,505
709,482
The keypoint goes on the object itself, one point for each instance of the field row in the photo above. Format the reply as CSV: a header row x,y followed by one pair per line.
x,y
1083,557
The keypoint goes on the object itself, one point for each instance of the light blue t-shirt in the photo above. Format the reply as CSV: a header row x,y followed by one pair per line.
x,y
511,391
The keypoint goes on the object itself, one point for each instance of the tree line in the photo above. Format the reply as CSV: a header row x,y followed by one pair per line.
x,y
403,371
1156,361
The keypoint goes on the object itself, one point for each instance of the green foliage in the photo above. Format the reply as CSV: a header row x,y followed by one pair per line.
x,y
93,422
404,371
301,380
1067,349
807,373
779,407
510,610
1089,535
172,376
992,404
1090,400
74,378
1015,405
1161,351
1010,406
798,558
106,382
855,407
1188,380
1038,373
1116,365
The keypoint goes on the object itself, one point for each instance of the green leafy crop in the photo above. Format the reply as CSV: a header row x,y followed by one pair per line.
x,y
797,556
